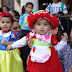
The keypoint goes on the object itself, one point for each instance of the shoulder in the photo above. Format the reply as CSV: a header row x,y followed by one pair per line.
x,y
30,34
5,34
53,37
26,14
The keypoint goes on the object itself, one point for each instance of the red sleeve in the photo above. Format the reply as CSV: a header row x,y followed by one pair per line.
x,y
54,40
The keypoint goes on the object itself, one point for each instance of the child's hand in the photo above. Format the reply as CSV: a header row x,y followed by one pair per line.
x,y
54,31
9,47
29,42
64,37
3,42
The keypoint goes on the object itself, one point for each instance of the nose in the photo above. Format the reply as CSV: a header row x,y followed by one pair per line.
x,y
5,24
42,26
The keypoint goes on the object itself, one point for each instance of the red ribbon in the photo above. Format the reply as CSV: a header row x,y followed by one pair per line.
x,y
2,14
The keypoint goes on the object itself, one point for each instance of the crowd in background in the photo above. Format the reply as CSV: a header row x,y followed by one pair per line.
x,y
20,25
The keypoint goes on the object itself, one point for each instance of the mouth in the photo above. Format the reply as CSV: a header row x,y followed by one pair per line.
x,y
41,30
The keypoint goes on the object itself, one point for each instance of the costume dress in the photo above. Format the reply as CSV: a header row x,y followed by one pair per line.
x,y
10,61
43,56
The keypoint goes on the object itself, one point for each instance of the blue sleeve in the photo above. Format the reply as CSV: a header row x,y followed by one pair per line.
x,y
21,20
14,36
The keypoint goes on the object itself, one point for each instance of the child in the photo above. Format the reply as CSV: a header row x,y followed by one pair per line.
x,y
15,15
10,61
43,57
57,8
26,10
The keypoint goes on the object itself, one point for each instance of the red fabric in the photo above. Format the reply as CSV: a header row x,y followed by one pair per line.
x,y
15,34
43,15
54,40
52,65
3,31
2,14
19,49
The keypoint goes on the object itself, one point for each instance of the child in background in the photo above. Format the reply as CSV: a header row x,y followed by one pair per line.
x,y
10,61
15,15
26,10
5,9
43,56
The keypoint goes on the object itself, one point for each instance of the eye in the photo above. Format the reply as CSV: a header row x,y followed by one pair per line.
x,y
8,22
15,28
2,22
38,24
45,24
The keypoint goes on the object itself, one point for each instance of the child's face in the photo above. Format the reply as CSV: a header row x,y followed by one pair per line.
x,y
29,8
13,14
55,1
16,27
42,26
5,23
5,9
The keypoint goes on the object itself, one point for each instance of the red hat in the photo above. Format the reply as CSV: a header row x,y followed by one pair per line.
x,y
42,15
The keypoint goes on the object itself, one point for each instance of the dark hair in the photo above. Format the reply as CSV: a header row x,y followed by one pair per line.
x,y
1,10
9,17
16,12
6,7
23,8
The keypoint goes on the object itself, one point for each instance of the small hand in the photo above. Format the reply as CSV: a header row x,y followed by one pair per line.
x,y
29,42
9,47
54,31
3,42
64,37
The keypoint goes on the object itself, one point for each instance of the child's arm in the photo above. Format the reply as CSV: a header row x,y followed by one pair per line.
x,y
17,44
59,45
6,43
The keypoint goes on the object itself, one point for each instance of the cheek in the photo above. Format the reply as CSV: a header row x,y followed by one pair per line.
x,y
35,29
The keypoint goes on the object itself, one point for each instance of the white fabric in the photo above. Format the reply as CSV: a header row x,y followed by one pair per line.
x,y
41,53
60,45
19,43
55,8
5,34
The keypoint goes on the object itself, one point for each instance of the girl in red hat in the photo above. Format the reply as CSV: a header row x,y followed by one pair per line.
x,y
43,55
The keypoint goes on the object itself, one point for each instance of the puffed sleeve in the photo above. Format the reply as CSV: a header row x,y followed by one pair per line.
x,y
54,40
14,36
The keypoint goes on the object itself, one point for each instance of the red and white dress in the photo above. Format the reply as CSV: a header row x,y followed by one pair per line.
x,y
43,55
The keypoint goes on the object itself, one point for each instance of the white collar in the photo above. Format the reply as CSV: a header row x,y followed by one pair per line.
x,y
5,34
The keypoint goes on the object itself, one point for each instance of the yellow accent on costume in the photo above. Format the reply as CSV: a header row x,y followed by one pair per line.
x,y
10,61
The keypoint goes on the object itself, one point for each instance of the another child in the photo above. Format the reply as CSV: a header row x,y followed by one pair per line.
x,y
43,56
26,10
15,15
10,61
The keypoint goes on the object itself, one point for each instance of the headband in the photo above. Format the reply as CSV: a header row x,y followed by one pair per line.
x,y
2,14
